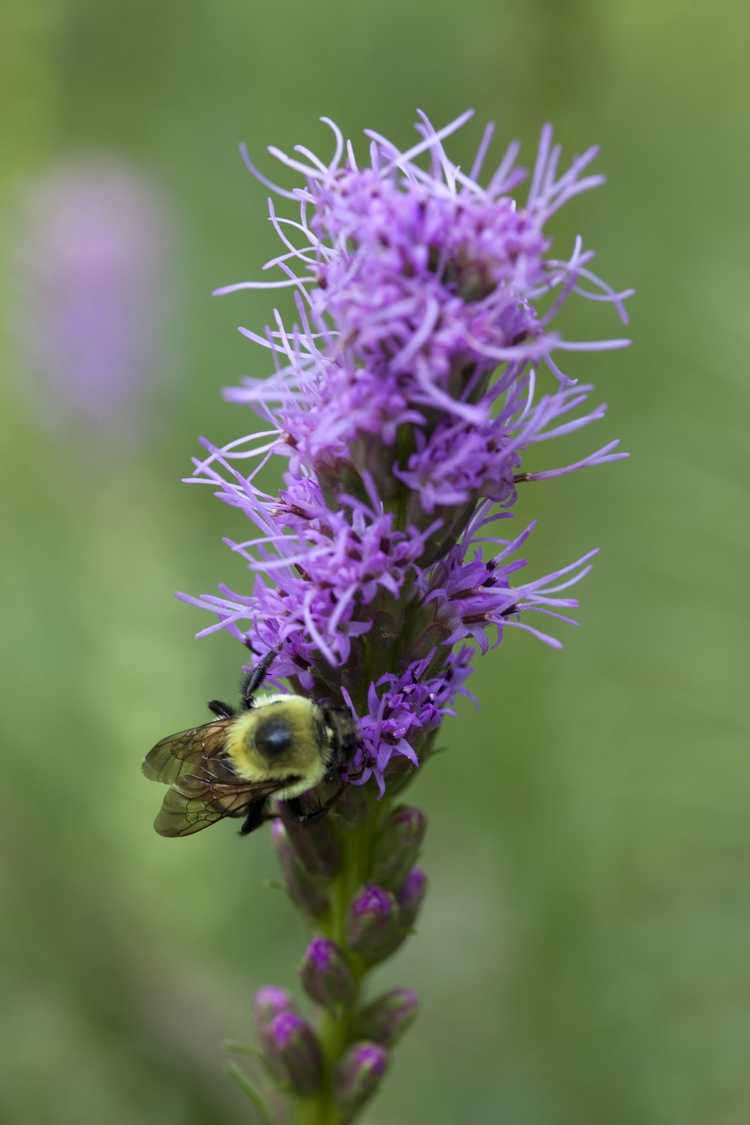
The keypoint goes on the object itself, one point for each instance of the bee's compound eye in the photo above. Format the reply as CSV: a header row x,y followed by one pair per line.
x,y
273,737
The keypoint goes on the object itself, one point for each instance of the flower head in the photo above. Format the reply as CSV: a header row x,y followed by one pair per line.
x,y
405,399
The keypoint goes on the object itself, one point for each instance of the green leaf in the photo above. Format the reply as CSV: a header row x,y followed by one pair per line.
x,y
248,1088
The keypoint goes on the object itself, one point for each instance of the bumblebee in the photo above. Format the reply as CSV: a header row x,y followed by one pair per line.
x,y
276,746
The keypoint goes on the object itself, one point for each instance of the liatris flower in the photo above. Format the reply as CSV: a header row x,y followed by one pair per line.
x,y
405,399
91,259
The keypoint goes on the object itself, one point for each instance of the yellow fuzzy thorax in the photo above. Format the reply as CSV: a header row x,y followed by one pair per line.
x,y
307,757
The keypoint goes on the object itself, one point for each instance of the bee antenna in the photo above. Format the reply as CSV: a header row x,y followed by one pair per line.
x,y
255,676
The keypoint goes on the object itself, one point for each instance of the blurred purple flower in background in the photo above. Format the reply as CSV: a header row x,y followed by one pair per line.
x,y
91,254
405,399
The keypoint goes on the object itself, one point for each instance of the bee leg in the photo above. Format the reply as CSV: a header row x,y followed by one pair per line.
x,y
299,812
223,710
297,809
255,676
253,818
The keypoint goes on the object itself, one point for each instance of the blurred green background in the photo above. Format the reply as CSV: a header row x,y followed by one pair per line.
x,y
583,954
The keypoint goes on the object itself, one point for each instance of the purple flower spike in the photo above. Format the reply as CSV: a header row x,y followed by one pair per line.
x,y
420,363
357,1077
404,400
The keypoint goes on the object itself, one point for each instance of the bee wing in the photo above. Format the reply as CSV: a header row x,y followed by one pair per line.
x,y
183,813
181,754
203,786
192,805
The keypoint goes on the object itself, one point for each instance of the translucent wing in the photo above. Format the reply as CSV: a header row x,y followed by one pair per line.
x,y
181,813
184,753
194,805
203,786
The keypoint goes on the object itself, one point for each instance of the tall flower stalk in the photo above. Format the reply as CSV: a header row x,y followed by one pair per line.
x,y
91,256
421,368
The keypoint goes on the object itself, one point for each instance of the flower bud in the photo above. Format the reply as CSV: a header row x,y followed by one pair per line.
x,y
410,896
386,1019
373,926
304,888
292,1052
314,843
268,1002
325,974
398,844
357,1077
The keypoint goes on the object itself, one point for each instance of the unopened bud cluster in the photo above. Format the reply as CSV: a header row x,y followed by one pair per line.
x,y
380,916
385,908
293,1055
